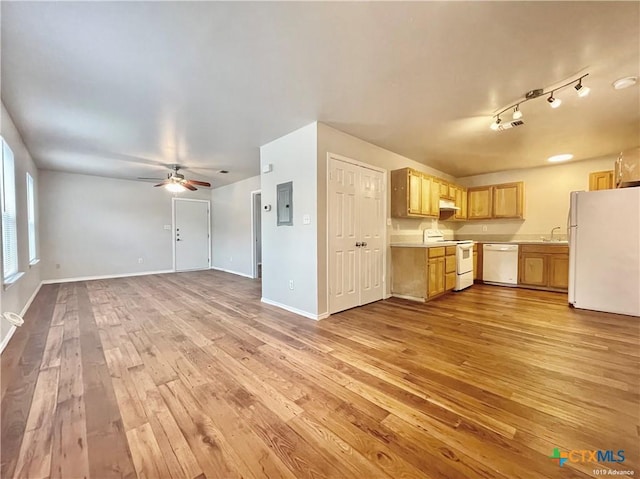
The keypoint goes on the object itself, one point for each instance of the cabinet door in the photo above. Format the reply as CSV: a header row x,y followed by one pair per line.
x,y
508,200
425,205
444,189
479,203
449,281
435,198
475,265
461,202
559,271
415,192
436,277
601,180
533,269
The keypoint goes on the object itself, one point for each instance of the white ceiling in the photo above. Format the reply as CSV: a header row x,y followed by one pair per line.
x,y
119,89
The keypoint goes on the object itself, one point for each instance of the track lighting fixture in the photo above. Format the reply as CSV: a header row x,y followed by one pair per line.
x,y
517,114
582,90
553,101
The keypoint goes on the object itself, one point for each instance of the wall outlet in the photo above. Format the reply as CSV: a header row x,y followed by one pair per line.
x,y
140,260
291,284
167,227
306,219
388,221
484,227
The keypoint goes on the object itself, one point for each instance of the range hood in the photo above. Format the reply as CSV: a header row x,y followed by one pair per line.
x,y
448,205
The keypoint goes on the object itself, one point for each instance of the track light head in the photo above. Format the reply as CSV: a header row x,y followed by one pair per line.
x,y
496,124
582,90
517,114
554,102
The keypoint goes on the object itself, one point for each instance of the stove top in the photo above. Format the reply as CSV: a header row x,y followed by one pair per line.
x,y
436,236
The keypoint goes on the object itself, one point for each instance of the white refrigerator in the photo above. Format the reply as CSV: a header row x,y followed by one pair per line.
x,y
604,250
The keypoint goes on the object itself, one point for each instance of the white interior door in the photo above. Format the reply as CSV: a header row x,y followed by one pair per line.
x,y
356,235
191,234
372,234
343,253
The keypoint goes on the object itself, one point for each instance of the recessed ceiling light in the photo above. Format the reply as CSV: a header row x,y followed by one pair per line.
x,y
559,158
625,82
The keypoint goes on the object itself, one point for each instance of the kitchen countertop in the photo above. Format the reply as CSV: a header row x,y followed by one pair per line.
x,y
453,243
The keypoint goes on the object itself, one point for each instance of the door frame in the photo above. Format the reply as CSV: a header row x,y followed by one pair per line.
x,y
254,266
385,246
173,226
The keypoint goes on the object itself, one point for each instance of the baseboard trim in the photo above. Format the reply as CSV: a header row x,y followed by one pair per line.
x,y
106,276
9,335
297,311
410,298
233,272
6,339
30,300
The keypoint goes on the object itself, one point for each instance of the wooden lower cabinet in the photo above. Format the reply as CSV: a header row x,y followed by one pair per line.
x,y
422,273
435,286
544,267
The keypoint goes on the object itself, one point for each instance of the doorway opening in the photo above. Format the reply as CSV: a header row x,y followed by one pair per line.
x,y
256,233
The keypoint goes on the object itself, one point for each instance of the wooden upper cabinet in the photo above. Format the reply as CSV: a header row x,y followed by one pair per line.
x,y
444,189
601,180
415,193
435,198
508,200
412,194
479,203
461,202
502,201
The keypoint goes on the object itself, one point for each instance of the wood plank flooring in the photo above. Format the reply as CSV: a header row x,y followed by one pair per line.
x,y
189,375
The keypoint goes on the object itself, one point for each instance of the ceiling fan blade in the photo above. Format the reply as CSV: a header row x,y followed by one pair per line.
x,y
199,183
188,186
163,183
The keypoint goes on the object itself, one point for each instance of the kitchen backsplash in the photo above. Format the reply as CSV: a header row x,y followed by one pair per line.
x,y
411,230
499,238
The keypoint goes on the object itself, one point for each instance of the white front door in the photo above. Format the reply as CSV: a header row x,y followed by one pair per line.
x,y
356,235
191,234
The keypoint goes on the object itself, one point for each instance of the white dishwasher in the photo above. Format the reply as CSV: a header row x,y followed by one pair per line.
x,y
500,264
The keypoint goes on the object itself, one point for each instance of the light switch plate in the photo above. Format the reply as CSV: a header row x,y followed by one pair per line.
x,y
167,227
306,219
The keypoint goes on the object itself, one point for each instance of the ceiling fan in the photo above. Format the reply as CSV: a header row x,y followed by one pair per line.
x,y
176,182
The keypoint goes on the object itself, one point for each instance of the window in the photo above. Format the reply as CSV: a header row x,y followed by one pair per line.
x,y
31,218
9,230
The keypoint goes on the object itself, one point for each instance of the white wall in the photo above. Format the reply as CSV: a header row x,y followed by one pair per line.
x,y
94,226
16,297
290,252
337,142
546,198
231,245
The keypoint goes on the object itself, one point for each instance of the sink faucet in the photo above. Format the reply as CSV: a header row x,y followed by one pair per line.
x,y
552,231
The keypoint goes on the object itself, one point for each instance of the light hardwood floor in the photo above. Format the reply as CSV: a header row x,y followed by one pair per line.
x,y
189,375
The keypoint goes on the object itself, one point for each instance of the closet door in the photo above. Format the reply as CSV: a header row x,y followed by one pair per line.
x,y
356,235
344,266
371,233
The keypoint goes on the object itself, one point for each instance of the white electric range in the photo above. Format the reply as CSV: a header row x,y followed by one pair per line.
x,y
464,256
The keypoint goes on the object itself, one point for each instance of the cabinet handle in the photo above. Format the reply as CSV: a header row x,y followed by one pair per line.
x,y
364,243
358,244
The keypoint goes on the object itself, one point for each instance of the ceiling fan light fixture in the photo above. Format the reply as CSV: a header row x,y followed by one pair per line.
x,y
175,187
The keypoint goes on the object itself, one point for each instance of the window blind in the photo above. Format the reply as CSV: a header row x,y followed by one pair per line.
x,y
9,230
31,219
